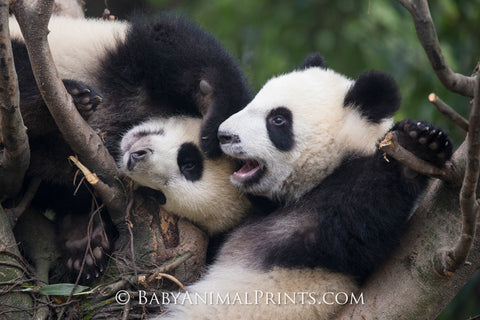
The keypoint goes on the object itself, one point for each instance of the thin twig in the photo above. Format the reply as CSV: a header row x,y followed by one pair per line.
x,y
15,159
112,197
392,147
448,111
427,35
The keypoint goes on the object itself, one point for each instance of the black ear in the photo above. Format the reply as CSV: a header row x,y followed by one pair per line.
x,y
313,60
375,94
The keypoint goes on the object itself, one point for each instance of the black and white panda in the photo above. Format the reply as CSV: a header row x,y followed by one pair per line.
x,y
308,141
120,74
164,154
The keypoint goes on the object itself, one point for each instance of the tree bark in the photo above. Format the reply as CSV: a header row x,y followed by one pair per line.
x,y
13,304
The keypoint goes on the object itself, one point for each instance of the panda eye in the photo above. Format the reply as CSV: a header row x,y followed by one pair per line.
x,y
278,120
189,166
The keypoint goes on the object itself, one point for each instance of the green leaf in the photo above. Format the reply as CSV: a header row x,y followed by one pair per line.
x,y
61,289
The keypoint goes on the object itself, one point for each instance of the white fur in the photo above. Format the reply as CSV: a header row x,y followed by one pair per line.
x,y
248,290
324,130
211,202
83,40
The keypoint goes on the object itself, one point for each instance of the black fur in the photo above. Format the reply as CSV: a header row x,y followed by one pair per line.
x,y
354,219
375,94
175,56
280,128
190,162
155,72
313,60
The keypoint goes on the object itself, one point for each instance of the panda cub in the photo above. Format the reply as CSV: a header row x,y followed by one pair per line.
x,y
120,74
164,154
308,141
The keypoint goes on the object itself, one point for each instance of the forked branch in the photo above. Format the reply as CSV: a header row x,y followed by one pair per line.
x,y
449,260
427,35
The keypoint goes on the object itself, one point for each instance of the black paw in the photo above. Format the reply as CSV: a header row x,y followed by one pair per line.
x,y
95,247
426,141
85,97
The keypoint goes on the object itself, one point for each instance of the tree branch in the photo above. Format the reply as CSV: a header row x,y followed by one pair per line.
x,y
447,111
392,147
449,260
15,158
427,35
33,18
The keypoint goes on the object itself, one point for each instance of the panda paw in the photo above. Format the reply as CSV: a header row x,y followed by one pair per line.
x,y
426,141
85,97
96,257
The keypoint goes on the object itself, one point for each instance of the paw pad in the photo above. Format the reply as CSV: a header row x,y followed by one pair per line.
x,y
86,98
425,141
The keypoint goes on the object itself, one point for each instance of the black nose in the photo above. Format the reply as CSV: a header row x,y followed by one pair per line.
x,y
228,138
136,157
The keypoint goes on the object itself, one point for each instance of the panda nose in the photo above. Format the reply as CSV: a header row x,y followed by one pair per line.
x,y
136,157
228,138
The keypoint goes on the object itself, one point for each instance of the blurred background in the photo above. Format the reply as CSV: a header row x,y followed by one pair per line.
x,y
271,37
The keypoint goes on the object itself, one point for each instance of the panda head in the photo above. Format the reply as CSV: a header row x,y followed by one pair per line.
x,y
163,154
301,125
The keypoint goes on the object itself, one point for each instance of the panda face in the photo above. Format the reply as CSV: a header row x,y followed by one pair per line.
x,y
163,154
296,131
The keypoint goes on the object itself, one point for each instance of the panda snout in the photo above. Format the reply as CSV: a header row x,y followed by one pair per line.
x,y
228,138
138,156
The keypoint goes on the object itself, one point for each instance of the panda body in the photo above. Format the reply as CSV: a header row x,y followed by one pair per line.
x,y
78,46
164,154
120,74
315,131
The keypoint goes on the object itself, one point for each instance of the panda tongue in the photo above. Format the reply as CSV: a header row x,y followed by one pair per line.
x,y
248,169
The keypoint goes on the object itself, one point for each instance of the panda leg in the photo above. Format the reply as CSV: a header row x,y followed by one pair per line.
x,y
85,97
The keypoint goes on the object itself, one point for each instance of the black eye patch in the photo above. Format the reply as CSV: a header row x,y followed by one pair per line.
x,y
190,162
280,128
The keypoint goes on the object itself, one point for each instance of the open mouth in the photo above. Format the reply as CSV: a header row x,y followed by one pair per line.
x,y
250,172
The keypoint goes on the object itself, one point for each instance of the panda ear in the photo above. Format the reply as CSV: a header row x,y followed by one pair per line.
x,y
375,94
313,60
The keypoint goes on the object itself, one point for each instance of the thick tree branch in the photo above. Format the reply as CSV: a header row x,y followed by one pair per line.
x,y
447,111
15,158
33,18
450,260
428,38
